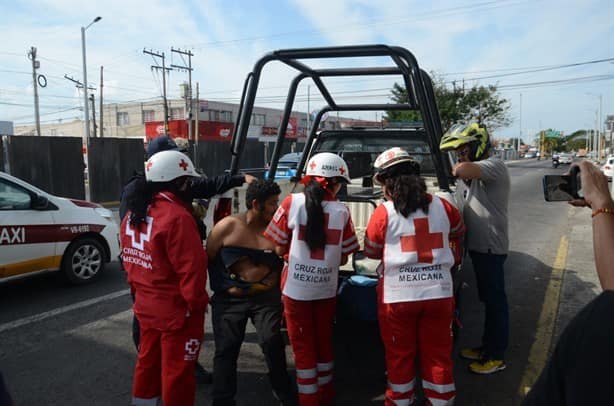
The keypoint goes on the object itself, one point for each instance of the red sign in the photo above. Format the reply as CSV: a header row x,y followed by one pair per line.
x,y
269,130
207,130
292,129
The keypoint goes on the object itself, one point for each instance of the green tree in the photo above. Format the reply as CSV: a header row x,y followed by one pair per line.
x,y
456,104
572,142
576,140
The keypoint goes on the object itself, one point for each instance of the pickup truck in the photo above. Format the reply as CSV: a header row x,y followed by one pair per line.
x,y
358,146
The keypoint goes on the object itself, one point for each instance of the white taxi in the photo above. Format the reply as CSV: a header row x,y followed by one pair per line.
x,y
42,232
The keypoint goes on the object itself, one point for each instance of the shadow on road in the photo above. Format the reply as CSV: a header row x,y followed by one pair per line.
x,y
86,356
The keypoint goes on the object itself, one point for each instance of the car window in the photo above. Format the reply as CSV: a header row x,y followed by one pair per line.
x,y
13,197
290,160
376,144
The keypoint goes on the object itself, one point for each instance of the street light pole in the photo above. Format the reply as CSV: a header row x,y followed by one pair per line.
x,y
86,110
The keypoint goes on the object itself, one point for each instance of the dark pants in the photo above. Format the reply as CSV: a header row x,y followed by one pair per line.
x,y
491,290
229,317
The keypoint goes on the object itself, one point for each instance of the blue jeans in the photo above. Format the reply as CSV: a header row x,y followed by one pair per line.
x,y
491,290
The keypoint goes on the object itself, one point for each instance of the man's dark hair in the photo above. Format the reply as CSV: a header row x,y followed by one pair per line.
x,y
260,190
161,143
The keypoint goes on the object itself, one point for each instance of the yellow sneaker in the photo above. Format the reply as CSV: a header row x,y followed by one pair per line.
x,y
488,366
474,354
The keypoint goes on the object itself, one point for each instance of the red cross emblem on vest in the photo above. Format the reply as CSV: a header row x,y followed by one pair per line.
x,y
192,345
423,242
149,164
333,236
184,165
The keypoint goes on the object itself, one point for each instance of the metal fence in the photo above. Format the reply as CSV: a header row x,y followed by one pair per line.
x,y
112,161
213,157
54,164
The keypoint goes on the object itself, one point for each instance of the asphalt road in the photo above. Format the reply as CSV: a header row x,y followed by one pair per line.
x,y
64,345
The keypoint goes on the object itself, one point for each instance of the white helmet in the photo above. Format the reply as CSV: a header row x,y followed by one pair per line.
x,y
168,165
390,158
327,165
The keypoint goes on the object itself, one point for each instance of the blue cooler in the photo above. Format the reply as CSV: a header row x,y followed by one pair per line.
x,y
357,298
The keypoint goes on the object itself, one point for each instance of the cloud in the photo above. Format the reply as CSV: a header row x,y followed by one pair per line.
x,y
228,37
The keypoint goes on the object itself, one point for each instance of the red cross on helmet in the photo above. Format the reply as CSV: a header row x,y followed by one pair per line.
x,y
391,159
327,165
168,165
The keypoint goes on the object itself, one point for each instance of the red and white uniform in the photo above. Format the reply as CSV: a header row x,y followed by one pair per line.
x,y
415,295
166,266
310,289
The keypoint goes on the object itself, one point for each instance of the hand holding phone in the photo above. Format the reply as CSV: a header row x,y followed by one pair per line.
x,y
563,188
595,188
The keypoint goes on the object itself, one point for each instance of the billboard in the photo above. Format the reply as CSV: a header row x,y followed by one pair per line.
x,y
207,130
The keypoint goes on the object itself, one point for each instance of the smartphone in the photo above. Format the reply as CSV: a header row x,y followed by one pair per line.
x,y
562,188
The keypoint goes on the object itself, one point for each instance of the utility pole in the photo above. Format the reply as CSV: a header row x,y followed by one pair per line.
x,y
308,110
101,113
600,126
196,122
35,66
520,125
188,97
164,70
596,135
93,113
79,85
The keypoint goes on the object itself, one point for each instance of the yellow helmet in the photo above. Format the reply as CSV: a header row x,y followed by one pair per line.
x,y
462,134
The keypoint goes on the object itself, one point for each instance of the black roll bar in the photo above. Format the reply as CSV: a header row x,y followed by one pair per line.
x,y
417,82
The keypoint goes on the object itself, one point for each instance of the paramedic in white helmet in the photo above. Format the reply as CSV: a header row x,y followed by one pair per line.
x,y
410,232
165,261
314,231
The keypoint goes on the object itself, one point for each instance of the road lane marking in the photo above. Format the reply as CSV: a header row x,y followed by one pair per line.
x,y
540,349
51,313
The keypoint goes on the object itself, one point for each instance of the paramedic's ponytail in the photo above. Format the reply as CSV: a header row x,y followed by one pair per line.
x,y
314,229
140,199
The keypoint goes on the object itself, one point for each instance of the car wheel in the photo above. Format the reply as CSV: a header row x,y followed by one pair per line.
x,y
83,261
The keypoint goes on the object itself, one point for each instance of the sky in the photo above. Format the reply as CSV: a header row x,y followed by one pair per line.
x,y
522,46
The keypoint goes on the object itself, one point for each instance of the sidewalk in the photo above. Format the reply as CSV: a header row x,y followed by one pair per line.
x,y
580,282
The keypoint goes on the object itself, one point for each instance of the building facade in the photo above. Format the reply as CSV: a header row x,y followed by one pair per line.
x,y
145,119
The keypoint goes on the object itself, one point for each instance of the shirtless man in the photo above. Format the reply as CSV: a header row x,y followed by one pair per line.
x,y
244,275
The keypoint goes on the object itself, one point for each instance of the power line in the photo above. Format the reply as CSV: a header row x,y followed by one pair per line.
x,y
374,22
542,69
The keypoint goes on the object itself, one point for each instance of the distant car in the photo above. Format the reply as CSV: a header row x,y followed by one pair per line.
x,y
565,158
286,168
529,155
608,168
42,232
